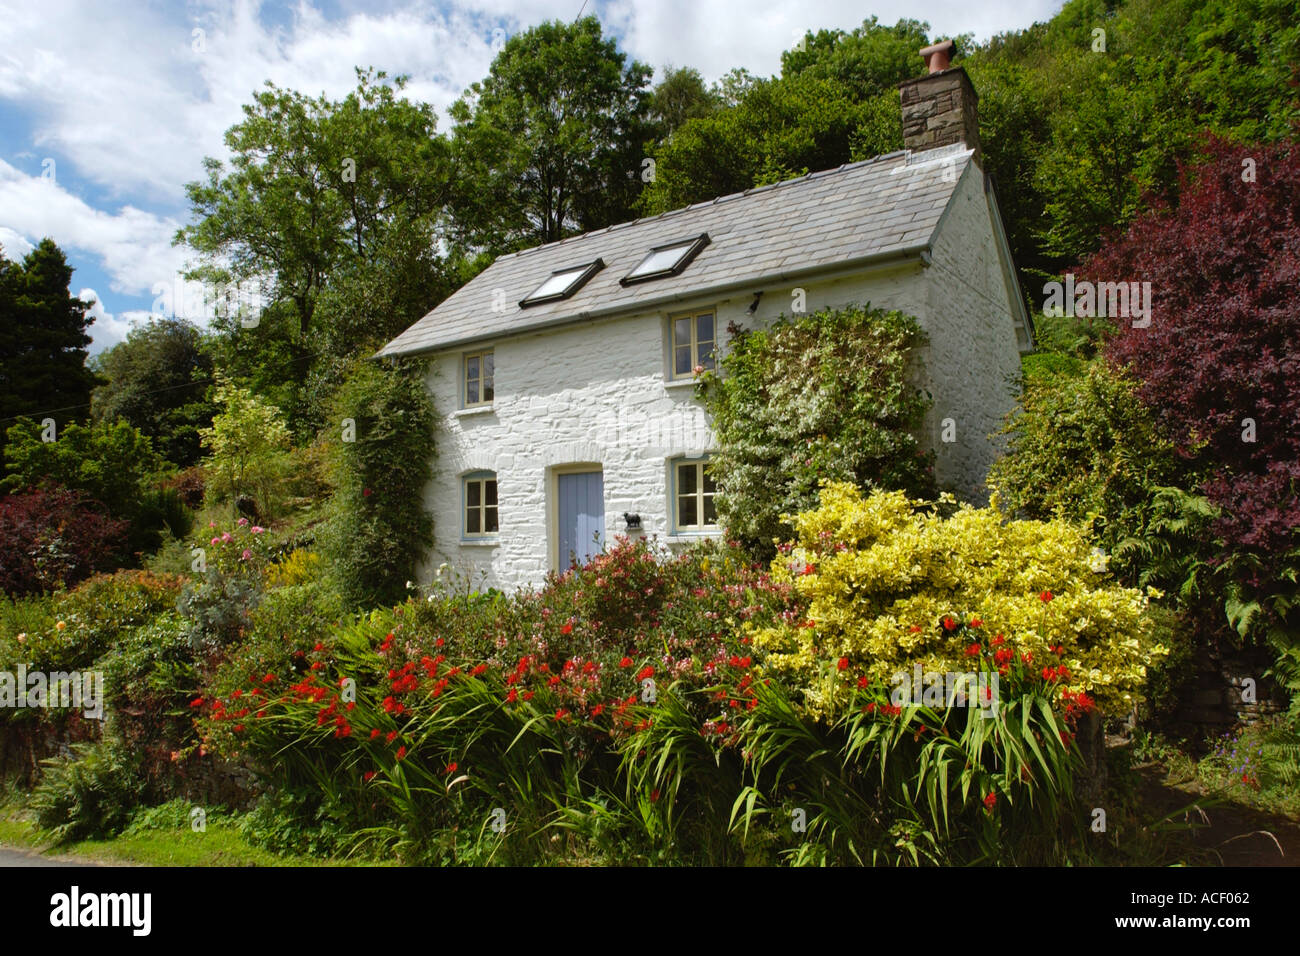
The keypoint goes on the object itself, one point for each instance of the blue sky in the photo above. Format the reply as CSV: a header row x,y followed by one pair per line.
x,y
105,116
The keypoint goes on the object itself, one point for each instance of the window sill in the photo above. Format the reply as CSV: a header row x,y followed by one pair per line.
x,y
473,410
690,537
674,383
479,542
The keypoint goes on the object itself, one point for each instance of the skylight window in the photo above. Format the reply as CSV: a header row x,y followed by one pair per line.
x,y
562,284
667,260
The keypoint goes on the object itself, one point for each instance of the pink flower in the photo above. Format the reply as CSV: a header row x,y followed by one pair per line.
x,y
216,540
242,522
246,555
257,529
212,524
226,537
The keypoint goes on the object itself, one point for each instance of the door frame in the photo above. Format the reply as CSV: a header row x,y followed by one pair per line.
x,y
553,505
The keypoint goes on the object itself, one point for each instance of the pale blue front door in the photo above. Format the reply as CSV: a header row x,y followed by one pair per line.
x,y
581,516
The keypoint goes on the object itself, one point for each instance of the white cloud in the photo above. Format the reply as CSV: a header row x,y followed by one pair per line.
x,y
716,35
133,246
107,329
13,244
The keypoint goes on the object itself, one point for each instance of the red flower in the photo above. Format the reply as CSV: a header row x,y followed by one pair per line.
x,y
1045,596
597,710
645,672
368,776
976,622
567,629
915,629
365,492
528,695
375,733
625,662
990,801
401,751
862,681
949,624
561,713
391,736
999,641
843,664
269,678
973,650
197,702
451,767
512,696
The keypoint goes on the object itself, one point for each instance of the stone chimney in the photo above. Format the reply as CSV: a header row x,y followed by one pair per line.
x,y
941,107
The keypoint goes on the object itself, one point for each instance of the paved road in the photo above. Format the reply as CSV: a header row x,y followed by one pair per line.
x,y
10,857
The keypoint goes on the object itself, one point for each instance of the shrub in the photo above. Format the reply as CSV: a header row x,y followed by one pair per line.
x,y
378,529
50,539
189,486
84,623
1219,362
891,583
814,398
90,792
247,449
110,463
1085,447
149,677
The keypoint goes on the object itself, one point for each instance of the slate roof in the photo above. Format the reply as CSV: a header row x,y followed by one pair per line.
x,y
887,206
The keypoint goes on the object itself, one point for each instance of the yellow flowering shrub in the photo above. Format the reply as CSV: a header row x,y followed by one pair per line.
x,y
889,583
299,567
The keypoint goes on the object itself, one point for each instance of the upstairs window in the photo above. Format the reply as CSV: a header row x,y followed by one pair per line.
x,y
562,284
480,505
693,491
667,260
693,342
478,385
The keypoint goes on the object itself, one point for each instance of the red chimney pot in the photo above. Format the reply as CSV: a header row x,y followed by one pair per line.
x,y
939,57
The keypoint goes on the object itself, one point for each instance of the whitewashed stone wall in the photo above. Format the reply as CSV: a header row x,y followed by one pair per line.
x,y
596,393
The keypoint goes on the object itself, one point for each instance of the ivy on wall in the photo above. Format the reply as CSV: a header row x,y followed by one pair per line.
x,y
827,396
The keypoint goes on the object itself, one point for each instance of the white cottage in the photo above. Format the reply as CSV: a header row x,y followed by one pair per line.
x,y
564,374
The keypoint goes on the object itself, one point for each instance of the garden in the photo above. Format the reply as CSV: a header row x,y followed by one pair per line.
x,y
1099,665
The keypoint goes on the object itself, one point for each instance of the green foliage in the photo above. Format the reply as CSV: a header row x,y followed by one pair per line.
x,y
1077,138
835,101
914,786
1083,445
43,340
679,96
818,397
551,141
247,448
88,793
378,529
112,462
157,378
339,202
92,616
